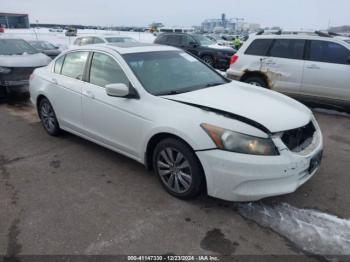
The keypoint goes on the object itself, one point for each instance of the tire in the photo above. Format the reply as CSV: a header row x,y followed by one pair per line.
x,y
184,179
208,60
48,118
256,81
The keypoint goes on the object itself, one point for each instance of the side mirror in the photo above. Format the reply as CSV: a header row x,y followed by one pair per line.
x,y
193,44
117,90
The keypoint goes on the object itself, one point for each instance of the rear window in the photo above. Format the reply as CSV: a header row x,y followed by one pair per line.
x,y
74,64
58,65
259,47
288,48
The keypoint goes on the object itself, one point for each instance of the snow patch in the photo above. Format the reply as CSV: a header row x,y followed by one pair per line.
x,y
312,231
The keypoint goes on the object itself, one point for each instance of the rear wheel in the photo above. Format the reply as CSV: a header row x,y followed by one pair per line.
x,y
178,169
48,118
255,81
208,60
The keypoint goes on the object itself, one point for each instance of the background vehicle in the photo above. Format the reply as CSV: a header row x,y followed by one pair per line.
x,y
89,40
18,59
312,67
71,32
168,110
56,29
200,46
46,48
2,30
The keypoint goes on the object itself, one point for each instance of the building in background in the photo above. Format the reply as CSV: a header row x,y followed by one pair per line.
x,y
9,20
230,25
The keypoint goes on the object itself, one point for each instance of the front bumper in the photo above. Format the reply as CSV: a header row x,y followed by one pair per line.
x,y
15,86
238,177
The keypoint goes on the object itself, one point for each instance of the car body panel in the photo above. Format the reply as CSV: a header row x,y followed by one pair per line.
x,y
126,125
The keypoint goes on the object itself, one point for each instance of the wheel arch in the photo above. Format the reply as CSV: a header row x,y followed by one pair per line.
x,y
259,74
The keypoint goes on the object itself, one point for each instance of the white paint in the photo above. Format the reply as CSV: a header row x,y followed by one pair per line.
x,y
312,231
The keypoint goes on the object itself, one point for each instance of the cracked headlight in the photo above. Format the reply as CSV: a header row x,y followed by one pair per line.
x,y
240,143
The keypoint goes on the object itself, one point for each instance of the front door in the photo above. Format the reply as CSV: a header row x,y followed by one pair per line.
x,y
114,121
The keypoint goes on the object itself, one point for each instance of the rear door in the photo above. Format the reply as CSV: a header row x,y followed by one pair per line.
x,y
66,83
327,71
285,65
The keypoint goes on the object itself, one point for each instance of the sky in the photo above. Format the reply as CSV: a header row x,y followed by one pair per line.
x,y
289,14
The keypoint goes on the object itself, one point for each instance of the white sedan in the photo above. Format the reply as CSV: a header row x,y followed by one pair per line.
x,y
169,111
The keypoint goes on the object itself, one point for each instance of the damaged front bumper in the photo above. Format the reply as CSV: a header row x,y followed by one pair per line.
x,y
237,177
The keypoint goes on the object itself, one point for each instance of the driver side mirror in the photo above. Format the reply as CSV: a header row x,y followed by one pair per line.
x,y
117,90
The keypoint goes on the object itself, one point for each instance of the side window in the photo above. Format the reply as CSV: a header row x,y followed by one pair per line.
x,y
87,41
174,40
58,65
97,40
259,47
161,39
74,64
328,52
105,70
77,41
186,40
288,48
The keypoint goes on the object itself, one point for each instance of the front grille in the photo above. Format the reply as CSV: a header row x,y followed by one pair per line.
x,y
299,139
18,74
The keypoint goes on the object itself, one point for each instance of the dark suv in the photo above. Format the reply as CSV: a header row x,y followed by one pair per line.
x,y
200,46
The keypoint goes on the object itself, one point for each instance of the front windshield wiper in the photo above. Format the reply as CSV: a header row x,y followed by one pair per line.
x,y
214,84
169,93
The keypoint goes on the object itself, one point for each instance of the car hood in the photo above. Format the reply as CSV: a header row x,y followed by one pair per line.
x,y
271,110
25,60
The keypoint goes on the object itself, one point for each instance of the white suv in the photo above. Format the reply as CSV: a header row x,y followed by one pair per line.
x,y
314,67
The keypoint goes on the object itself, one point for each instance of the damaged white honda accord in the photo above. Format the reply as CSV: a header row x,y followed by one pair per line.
x,y
166,109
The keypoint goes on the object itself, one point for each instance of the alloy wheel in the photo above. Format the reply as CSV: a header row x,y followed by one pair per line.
x,y
174,170
48,117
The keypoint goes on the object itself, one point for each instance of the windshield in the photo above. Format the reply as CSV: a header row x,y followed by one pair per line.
x,y
172,72
41,45
204,41
120,40
15,47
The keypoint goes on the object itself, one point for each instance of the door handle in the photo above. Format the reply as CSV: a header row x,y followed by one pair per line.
x,y
313,67
54,81
89,94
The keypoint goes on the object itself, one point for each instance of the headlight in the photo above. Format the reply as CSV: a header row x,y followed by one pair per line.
x,y
240,143
5,70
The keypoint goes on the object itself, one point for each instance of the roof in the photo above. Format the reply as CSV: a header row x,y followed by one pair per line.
x,y
12,14
128,48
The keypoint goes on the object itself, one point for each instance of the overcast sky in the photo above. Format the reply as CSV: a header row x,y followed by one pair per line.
x,y
290,14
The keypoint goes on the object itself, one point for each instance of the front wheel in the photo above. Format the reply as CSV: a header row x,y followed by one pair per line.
x,y
178,169
48,118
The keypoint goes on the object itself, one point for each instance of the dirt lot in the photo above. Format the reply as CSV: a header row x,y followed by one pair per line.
x,y
69,196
